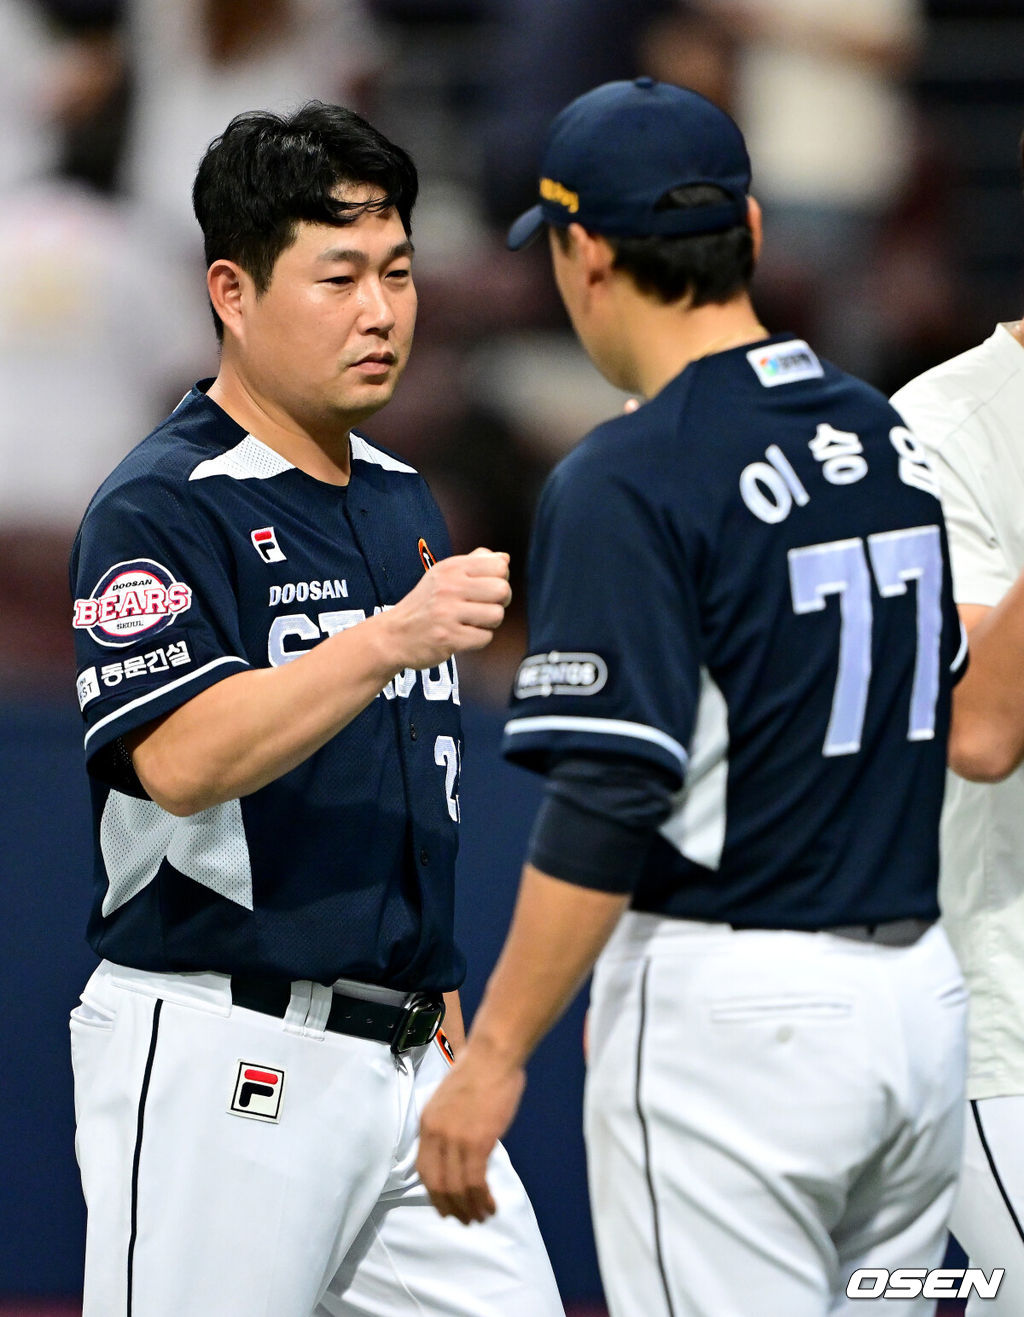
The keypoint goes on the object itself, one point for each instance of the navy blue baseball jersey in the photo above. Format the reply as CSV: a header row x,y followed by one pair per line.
x,y
746,583
206,553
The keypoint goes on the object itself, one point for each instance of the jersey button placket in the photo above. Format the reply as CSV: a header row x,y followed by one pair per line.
x,y
413,733
424,856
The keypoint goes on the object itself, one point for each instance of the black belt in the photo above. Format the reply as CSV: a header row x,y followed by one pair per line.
x,y
411,1024
892,933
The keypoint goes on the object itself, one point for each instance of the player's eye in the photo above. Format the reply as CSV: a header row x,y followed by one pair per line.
x,y
399,274
339,279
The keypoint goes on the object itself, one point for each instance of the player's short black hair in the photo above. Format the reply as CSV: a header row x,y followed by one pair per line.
x,y
707,267
268,172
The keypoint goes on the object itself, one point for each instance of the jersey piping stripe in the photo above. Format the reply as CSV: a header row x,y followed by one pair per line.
x,y
251,459
598,727
363,451
138,1150
647,1141
961,653
992,1167
155,695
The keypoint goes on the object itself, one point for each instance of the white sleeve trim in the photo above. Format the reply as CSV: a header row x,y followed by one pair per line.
x,y
961,653
155,695
598,727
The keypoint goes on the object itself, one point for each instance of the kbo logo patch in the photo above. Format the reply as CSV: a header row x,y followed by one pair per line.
x,y
131,599
785,363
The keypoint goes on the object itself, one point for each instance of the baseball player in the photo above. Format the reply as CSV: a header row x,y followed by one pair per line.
x,y
743,640
266,615
968,413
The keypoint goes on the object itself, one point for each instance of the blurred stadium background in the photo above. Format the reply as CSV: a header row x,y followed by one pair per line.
x,y
884,136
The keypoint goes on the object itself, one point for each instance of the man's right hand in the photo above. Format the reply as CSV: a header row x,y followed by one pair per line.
x,y
458,605
247,730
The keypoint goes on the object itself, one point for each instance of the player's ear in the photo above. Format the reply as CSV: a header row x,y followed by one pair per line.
x,y
594,252
754,219
225,282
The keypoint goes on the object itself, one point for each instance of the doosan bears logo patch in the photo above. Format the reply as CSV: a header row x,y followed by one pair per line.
x,y
134,598
426,557
446,1048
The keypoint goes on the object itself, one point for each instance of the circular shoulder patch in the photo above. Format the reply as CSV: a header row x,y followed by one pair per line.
x,y
138,597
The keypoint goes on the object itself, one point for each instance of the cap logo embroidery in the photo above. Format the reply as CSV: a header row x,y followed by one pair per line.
x,y
560,195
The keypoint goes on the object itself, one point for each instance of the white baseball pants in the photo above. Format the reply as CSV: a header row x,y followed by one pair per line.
x,y
238,1165
767,1112
988,1214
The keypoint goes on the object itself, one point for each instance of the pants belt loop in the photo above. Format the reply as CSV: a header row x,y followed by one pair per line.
x,y
319,1008
297,1014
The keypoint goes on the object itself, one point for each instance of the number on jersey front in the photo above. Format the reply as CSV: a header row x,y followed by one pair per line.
x,y
446,756
841,568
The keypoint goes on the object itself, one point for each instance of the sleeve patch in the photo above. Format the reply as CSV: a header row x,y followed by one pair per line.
x,y
131,599
88,687
559,673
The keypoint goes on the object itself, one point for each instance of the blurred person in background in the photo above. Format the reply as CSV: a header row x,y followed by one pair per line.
x,y
819,92
541,55
195,63
969,412
98,322
29,143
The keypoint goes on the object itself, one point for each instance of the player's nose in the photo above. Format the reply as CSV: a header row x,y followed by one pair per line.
x,y
376,311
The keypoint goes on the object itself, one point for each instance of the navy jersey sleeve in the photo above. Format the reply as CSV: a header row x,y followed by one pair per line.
x,y
155,618
608,671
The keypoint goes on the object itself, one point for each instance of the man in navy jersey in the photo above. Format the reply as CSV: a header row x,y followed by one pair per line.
x,y
742,644
266,614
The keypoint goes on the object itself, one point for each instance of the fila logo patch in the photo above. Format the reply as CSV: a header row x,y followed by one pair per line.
x,y
258,1092
266,544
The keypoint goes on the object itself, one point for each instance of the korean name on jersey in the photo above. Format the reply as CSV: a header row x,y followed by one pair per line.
x,y
746,582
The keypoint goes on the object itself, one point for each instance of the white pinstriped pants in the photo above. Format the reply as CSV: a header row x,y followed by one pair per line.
x,y
988,1215
199,1210
766,1112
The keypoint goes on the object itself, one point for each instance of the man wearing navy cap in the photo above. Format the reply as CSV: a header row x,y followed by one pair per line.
x,y
742,646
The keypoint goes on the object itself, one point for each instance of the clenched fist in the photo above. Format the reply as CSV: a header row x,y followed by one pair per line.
x,y
458,605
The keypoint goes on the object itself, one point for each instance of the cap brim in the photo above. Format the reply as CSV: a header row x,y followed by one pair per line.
x,y
525,229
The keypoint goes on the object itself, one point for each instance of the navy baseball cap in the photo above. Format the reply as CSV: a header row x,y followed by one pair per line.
x,y
613,153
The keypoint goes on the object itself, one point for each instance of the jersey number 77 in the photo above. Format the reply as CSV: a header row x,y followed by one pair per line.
x,y
844,568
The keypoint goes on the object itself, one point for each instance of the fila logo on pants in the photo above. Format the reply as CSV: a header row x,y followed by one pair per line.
x,y
258,1092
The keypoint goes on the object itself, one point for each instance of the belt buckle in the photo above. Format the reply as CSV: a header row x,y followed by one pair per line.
x,y
420,1011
